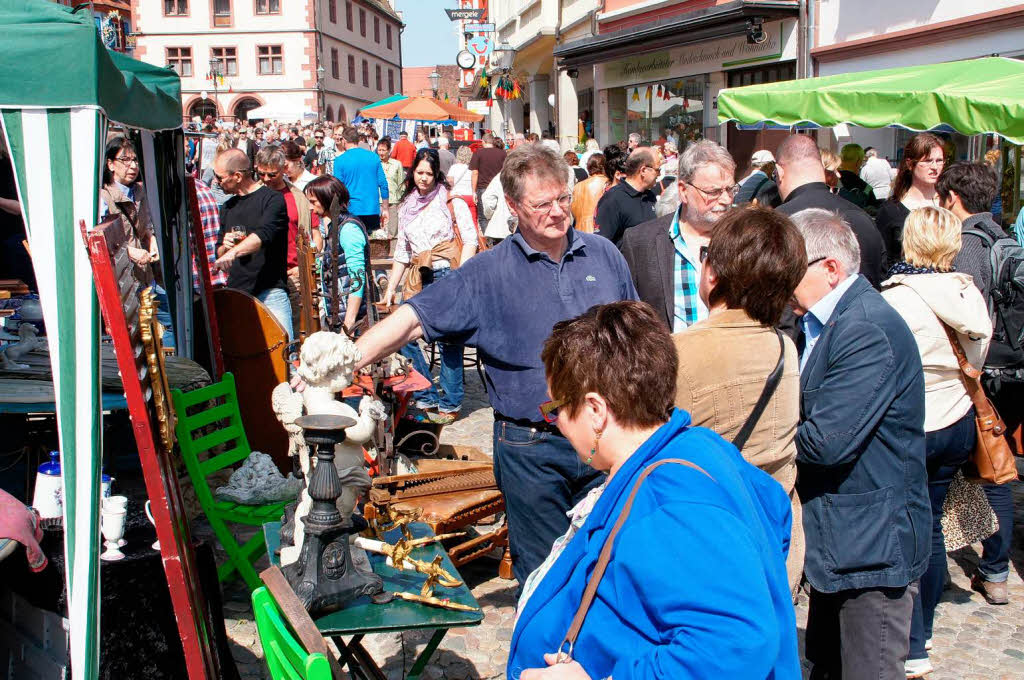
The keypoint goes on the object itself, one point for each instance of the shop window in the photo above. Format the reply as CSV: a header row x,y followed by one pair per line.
x,y
366,73
332,11
351,69
377,78
180,59
228,57
221,12
268,6
763,74
387,35
665,109
175,8
335,69
271,61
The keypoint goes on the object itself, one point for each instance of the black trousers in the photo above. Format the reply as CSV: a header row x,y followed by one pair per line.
x,y
861,634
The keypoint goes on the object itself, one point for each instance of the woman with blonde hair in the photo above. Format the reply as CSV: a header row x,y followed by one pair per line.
x,y
932,298
831,161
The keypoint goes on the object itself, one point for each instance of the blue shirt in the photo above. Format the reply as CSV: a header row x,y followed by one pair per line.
x,y
361,172
689,308
505,301
813,322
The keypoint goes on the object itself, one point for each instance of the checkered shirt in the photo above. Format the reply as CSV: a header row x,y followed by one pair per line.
x,y
689,308
209,215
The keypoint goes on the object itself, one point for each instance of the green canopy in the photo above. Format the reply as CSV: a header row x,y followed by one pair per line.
x,y
973,97
52,57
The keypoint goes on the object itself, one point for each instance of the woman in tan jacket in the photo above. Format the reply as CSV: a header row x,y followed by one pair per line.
x,y
751,267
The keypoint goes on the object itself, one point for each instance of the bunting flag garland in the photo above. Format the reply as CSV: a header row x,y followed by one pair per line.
x,y
484,78
490,102
446,97
668,95
636,94
516,92
647,94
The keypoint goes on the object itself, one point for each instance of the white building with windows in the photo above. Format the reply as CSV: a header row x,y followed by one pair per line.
x,y
268,53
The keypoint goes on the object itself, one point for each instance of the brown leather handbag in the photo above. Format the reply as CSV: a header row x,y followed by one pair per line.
x,y
992,461
605,556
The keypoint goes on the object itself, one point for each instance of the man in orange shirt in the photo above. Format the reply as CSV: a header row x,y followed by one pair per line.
x,y
404,151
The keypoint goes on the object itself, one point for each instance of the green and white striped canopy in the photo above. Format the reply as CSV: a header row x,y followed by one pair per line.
x,y
58,87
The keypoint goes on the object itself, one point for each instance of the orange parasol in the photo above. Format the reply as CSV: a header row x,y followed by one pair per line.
x,y
422,108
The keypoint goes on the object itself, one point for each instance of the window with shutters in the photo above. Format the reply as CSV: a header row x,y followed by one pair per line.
x,y
387,35
391,80
228,57
175,8
180,59
270,60
366,73
376,30
221,12
377,77
351,69
362,22
334,63
348,15
332,11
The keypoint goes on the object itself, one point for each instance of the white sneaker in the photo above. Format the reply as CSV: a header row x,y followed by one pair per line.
x,y
917,668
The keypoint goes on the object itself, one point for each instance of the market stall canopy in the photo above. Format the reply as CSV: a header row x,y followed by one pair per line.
x,y
422,108
81,72
268,112
973,97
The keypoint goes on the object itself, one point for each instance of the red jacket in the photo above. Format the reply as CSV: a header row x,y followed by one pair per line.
x,y
404,152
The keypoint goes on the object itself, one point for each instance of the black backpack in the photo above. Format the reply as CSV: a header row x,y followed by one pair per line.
x,y
1005,306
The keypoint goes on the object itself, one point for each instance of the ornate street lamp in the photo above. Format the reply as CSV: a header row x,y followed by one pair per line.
x,y
504,56
215,73
320,72
435,81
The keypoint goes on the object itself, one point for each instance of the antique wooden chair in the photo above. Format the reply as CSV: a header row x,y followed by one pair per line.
x,y
286,659
200,430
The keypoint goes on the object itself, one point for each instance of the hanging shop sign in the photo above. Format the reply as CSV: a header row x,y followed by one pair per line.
x,y
479,28
465,14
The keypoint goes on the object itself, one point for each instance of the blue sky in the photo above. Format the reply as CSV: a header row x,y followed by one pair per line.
x,y
429,37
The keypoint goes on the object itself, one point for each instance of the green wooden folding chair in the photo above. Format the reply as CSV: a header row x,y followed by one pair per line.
x,y
285,657
200,429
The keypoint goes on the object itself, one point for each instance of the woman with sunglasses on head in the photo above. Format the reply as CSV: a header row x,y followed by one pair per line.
x,y
351,255
123,194
924,158
436,234
692,538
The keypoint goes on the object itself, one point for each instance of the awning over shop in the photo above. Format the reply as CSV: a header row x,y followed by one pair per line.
x,y
718,21
972,97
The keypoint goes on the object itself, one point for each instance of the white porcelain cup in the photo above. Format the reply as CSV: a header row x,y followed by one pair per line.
x,y
115,502
149,515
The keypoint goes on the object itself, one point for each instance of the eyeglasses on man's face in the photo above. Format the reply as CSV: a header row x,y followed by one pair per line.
x,y
715,194
544,207
268,174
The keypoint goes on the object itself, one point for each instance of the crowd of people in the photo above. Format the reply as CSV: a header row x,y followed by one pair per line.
x,y
761,377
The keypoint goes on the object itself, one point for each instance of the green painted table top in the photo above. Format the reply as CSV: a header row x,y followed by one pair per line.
x,y
362,616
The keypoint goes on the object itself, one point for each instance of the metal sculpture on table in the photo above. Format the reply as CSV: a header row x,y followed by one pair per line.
x,y
324,578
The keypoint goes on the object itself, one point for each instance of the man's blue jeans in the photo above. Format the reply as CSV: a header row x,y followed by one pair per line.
x,y
452,375
276,300
946,449
163,315
995,554
542,478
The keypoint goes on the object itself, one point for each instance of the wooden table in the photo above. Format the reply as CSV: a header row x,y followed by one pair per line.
x,y
361,617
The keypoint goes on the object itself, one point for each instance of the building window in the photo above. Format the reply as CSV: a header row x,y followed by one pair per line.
x,y
366,73
334,63
376,30
180,59
175,8
387,34
332,11
348,15
377,78
391,80
228,57
268,6
351,69
270,60
362,22
221,12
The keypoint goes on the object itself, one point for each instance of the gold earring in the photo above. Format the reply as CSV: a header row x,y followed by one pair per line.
x,y
594,448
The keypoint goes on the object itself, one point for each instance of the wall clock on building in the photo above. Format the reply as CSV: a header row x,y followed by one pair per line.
x,y
465,59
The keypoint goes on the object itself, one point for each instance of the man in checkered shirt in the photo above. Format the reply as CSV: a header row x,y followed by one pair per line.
x,y
209,215
665,254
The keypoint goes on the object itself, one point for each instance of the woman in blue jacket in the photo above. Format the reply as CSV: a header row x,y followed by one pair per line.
x,y
696,584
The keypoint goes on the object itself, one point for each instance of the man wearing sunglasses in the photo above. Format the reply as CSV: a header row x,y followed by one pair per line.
x,y
504,302
664,254
253,244
631,201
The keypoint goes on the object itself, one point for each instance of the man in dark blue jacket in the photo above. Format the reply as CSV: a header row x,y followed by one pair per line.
x,y
861,459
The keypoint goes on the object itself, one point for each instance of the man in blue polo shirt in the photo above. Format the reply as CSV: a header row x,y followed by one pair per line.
x,y
359,169
504,302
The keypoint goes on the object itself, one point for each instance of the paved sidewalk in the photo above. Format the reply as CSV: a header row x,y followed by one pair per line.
x,y
972,640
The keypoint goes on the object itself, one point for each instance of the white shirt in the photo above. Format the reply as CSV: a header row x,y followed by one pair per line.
x,y
461,179
876,172
305,178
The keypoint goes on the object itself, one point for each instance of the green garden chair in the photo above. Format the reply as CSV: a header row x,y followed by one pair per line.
x,y
285,657
200,429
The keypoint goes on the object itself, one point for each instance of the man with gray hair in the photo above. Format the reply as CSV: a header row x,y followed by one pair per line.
x,y
631,201
444,154
664,253
505,302
861,476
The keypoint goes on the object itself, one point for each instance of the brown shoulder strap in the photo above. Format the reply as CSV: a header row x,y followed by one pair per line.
x,y
606,554
970,377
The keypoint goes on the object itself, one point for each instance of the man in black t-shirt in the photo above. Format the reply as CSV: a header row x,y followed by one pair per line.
x,y
253,243
485,165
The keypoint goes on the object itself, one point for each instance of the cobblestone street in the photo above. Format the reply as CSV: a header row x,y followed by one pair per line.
x,y
972,640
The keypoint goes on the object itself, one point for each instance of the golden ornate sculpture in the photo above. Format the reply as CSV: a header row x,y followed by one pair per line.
x,y
151,333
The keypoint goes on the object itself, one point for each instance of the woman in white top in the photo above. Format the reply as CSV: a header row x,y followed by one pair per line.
x,y
930,296
460,177
914,187
429,226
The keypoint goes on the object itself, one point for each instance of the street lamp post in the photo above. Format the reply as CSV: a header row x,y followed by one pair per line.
x,y
435,81
504,56
320,71
215,73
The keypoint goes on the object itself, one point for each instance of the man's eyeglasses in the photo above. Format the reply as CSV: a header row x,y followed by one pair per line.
x,y
268,173
715,194
817,260
563,201
127,160
318,136
549,410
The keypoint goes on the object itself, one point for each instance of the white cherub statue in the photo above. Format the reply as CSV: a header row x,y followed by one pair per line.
x,y
327,364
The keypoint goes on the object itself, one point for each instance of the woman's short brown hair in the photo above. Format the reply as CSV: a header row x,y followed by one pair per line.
x,y
621,351
759,258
